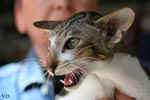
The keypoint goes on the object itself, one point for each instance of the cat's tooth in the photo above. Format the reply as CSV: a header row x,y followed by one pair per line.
x,y
73,75
62,81
79,73
70,82
52,74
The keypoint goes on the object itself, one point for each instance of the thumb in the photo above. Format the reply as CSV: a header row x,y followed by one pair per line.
x,y
105,99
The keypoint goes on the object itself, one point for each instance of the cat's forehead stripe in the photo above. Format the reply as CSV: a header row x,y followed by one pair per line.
x,y
77,19
68,24
74,19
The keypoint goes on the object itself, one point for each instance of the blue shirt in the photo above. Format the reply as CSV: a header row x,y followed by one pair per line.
x,y
16,78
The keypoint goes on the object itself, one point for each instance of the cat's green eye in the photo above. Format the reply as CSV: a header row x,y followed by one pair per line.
x,y
72,43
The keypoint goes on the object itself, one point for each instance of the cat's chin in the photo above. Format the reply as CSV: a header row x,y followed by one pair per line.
x,y
71,88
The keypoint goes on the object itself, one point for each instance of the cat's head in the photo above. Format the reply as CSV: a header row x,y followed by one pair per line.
x,y
83,38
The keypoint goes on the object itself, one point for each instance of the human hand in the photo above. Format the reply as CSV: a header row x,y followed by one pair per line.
x,y
105,99
119,96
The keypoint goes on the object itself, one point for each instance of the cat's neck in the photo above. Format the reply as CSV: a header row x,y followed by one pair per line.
x,y
118,60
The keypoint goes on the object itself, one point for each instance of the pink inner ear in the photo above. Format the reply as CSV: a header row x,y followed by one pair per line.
x,y
123,18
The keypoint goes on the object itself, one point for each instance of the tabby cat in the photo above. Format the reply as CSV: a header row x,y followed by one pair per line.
x,y
86,49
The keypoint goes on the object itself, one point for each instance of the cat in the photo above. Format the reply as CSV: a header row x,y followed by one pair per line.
x,y
86,49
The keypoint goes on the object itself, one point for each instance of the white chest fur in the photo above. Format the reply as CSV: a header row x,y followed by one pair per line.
x,y
123,72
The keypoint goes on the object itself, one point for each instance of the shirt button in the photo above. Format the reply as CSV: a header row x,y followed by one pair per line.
x,y
44,89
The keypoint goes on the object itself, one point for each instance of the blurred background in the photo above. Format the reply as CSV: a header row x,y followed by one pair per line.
x,y
14,47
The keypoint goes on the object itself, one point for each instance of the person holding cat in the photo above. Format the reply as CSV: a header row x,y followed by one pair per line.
x,y
25,78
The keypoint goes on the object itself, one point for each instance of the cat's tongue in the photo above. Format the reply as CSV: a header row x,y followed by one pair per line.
x,y
68,81
72,78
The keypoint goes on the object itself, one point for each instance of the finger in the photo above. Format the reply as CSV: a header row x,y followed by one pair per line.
x,y
105,99
121,96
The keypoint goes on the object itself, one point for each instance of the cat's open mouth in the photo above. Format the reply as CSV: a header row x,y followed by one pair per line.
x,y
73,78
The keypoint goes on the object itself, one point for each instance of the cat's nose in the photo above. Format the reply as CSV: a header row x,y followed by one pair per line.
x,y
52,61
53,66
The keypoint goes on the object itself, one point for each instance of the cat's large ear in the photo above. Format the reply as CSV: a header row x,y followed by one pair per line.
x,y
121,20
47,25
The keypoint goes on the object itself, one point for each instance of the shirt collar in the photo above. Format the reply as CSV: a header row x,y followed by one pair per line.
x,y
30,72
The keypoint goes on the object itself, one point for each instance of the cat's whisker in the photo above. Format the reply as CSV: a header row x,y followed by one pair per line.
x,y
73,76
86,59
63,65
48,78
62,81
45,73
83,69
83,49
75,66
79,73
81,61
50,73
77,60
